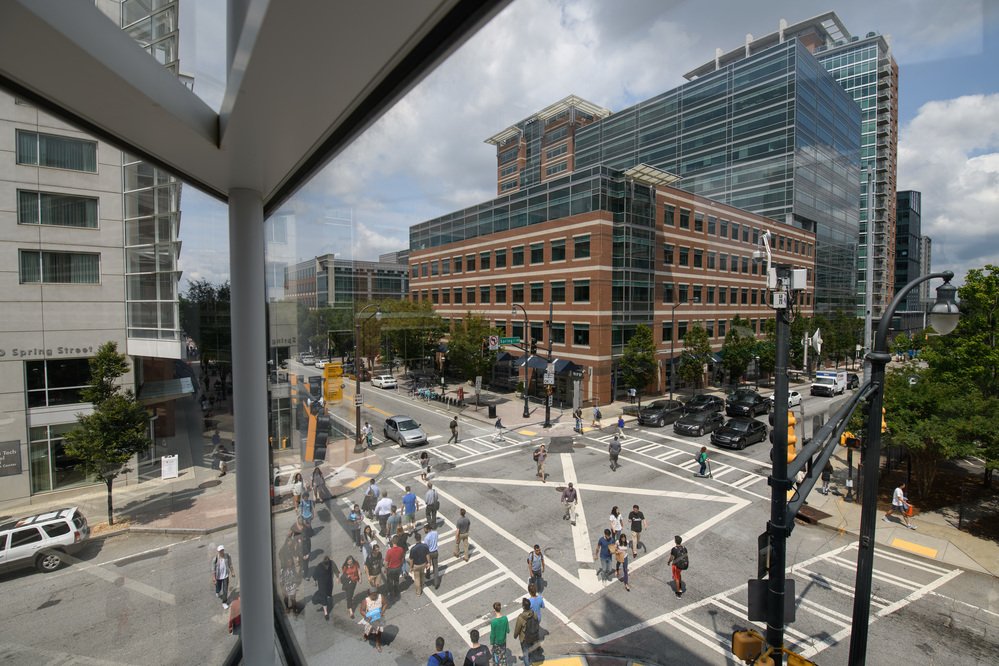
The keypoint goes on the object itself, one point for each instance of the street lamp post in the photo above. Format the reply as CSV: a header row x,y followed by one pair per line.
x,y
358,447
527,410
672,348
943,318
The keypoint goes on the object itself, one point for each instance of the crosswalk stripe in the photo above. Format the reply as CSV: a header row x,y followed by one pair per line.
x,y
835,586
825,612
649,447
698,633
470,584
880,575
910,562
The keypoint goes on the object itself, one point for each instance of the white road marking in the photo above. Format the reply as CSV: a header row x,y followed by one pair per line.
x,y
447,596
580,531
920,593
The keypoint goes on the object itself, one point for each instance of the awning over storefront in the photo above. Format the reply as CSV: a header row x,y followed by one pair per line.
x,y
506,357
562,366
535,362
165,390
716,357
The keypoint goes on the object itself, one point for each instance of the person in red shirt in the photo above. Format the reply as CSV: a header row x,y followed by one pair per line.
x,y
394,557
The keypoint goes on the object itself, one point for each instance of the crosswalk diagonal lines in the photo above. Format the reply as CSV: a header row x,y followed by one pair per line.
x,y
475,583
909,561
824,612
482,624
919,593
669,455
741,610
826,642
747,481
835,586
488,446
468,594
722,470
699,633
648,447
689,465
471,452
891,579
475,555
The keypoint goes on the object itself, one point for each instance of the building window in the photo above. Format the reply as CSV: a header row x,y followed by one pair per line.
x,y
558,291
558,334
457,264
698,258
712,225
537,292
58,210
557,151
581,247
57,152
684,219
721,328
753,296
668,213
668,331
668,255
745,265
500,325
518,292
484,294
696,293
556,168
434,296
723,262
500,291
50,467
446,296
558,250
711,260
518,256
709,292
685,256
581,335
500,258
733,295
484,260
470,262
469,295
733,264
735,231
445,266
581,291
745,234
537,332
457,296
668,292
683,293
425,269
59,267
723,229
537,253
517,329
709,327
434,268
56,382
681,330
722,294
699,222
425,295
414,271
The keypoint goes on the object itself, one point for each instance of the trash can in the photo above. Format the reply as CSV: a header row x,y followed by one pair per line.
x,y
492,411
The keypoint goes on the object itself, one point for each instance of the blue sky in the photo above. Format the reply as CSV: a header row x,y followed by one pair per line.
x,y
427,156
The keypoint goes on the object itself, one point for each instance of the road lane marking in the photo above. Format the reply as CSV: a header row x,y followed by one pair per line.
x,y
920,593
580,531
445,597
897,581
925,551
910,562
527,433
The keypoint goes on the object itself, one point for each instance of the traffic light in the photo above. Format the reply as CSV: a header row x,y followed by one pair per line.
x,y
747,645
792,439
534,346
849,440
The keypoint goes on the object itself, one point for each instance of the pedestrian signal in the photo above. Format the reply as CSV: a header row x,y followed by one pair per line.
x,y
849,440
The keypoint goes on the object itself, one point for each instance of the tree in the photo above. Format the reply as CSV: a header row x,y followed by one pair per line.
x,y
413,329
467,354
205,315
738,349
638,360
696,353
901,345
116,430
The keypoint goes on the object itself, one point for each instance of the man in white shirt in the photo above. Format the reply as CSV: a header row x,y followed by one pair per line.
x,y
899,504
431,499
221,571
382,510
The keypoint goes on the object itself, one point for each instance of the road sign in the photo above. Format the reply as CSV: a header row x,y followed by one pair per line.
x,y
478,382
494,342
549,377
510,341
577,374
358,400
333,370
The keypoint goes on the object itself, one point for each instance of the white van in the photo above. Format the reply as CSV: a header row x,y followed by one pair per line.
x,y
42,540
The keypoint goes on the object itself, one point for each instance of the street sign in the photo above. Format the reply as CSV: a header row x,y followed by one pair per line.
x,y
577,374
333,370
549,378
510,341
358,400
494,342
478,383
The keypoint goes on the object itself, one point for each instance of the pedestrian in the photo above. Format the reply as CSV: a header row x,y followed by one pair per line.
x,y
290,580
374,566
326,572
393,522
570,500
498,437
577,415
499,628
680,560
356,520
306,510
433,502
320,492
454,430
631,395
419,560
621,557
537,601
219,457
702,461
614,450
350,574
899,504
535,567
527,629
441,656
424,465
540,455
602,551
373,617
430,538
367,543
477,655
638,523
616,522
370,498
383,507
620,425
402,538
826,476
222,571
409,509
235,614
462,525
369,434
297,488
216,439
595,423
395,556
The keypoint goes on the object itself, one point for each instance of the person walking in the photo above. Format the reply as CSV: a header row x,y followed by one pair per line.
x,y
373,614
370,500
419,560
367,543
535,567
222,571
620,425
433,503
499,437
477,655
325,573
356,520
350,574
614,450
306,510
297,489
394,558
527,630
595,423
454,430
577,415
424,465
382,510
702,461
826,477
679,560
220,456
463,524
602,551
621,559
409,509
321,493
374,566
290,578
540,455
900,505
616,522
537,601
499,628
441,656
638,523
430,538
394,521
570,501
369,434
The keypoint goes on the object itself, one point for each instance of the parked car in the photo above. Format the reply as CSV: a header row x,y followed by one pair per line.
x,y
42,540
739,433
404,430
750,404
739,394
322,363
793,399
852,380
306,358
660,412
384,381
704,403
698,423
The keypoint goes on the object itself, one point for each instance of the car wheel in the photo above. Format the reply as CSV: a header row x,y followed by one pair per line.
x,y
700,432
49,561
742,444
661,422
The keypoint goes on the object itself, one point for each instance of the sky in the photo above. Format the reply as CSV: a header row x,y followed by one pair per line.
x,y
426,156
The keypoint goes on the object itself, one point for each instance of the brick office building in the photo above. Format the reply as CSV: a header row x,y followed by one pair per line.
x,y
607,251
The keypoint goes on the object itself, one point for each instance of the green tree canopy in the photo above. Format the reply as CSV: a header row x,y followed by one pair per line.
x,y
696,353
738,349
465,353
205,314
118,428
638,360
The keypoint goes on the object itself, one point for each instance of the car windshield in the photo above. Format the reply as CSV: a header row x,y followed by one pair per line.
x,y
740,426
699,400
407,424
658,404
824,380
698,416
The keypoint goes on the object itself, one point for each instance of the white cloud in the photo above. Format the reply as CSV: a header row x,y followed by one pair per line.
x,y
950,153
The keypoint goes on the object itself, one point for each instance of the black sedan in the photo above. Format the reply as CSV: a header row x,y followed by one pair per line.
x,y
704,403
660,412
698,423
749,404
739,433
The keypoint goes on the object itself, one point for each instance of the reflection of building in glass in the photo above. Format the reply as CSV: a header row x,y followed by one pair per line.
x,y
609,251
330,282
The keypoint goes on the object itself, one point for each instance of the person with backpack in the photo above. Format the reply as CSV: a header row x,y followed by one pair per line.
x,y
577,414
679,560
702,460
454,430
540,455
596,418
441,657
535,566
527,630
477,655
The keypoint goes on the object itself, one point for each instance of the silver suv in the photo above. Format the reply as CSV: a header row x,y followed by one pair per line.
x,y
42,540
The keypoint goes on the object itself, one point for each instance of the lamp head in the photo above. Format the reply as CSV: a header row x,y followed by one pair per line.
x,y
513,311
378,314
945,314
